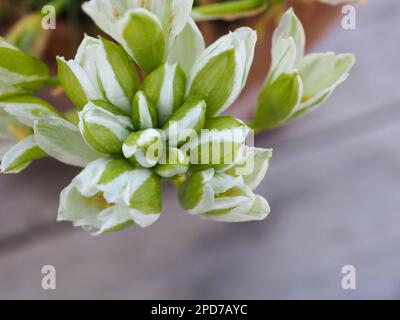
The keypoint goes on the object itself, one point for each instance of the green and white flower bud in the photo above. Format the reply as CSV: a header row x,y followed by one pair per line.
x,y
297,84
110,195
174,163
18,147
185,122
105,131
220,73
138,25
19,72
144,112
219,144
221,197
144,147
100,70
166,87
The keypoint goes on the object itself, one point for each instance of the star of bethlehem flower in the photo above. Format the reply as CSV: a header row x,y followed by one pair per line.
x,y
131,133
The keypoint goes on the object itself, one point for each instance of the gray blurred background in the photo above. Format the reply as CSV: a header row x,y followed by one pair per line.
x,y
333,186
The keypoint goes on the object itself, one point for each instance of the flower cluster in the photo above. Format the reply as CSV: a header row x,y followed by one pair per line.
x,y
149,108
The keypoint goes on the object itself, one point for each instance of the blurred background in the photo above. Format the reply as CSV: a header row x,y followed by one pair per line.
x,y
333,186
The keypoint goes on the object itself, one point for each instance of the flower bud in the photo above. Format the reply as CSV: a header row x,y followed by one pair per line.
x,y
297,84
166,87
221,197
110,195
105,131
146,29
219,144
144,147
100,70
220,73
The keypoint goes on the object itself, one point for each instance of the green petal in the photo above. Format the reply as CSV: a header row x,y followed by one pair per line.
x,y
71,84
278,101
117,75
144,38
196,195
185,122
104,131
166,87
21,69
144,112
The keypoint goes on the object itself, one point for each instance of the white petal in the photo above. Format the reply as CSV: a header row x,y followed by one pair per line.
x,y
62,140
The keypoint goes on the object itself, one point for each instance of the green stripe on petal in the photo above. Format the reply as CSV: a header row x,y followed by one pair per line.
x,y
146,198
72,87
196,195
19,69
117,75
220,73
144,112
103,131
144,38
21,155
166,87
278,101
185,122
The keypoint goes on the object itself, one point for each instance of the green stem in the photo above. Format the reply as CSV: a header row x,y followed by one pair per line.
x,y
52,82
229,7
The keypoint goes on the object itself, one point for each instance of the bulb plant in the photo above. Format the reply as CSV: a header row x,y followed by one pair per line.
x,y
149,107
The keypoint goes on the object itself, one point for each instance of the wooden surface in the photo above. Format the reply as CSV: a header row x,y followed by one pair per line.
x,y
333,187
